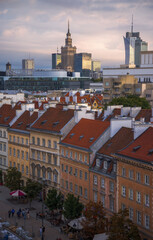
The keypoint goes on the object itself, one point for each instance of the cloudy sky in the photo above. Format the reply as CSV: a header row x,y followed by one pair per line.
x,y
36,28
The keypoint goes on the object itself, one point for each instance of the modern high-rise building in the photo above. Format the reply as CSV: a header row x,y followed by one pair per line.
x,y
67,53
82,64
133,47
96,66
28,64
56,61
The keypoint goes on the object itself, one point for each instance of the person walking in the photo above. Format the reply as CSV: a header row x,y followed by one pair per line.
x,y
9,213
40,230
13,211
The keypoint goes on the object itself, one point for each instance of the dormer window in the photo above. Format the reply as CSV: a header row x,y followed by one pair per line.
x,y
105,165
114,167
97,162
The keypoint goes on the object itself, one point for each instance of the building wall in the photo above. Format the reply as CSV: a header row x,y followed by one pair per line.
x,y
28,64
140,189
3,149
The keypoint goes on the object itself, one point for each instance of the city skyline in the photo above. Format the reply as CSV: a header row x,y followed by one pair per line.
x,y
37,28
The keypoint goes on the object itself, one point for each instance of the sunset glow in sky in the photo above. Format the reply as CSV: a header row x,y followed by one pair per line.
x,y
37,27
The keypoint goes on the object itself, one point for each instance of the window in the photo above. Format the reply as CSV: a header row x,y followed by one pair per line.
x,y
147,200
85,193
4,147
22,140
49,143
66,153
44,156
66,169
86,176
80,190
10,164
1,160
38,155
33,140
14,164
111,203
131,213
71,187
71,156
80,157
114,167
102,183
76,189
55,178
76,172
95,179
33,154
10,138
18,153
55,144
62,167
4,134
106,83
97,162
131,174
55,159
18,139
22,153
22,168
43,142
146,179
131,194
123,206
0,146
4,161
138,177
138,197
26,170
26,141
27,157
138,213
38,141
103,200
67,185
44,174
147,221
62,151
123,191
10,150
76,156
85,158
14,152
123,172
105,165
13,138
70,171
95,197
49,175
49,158
80,174
0,133
18,167
111,186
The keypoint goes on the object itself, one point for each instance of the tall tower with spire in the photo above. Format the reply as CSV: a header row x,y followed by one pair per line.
x,y
133,47
67,53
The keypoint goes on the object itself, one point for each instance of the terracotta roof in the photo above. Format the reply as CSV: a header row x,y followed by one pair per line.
x,y
7,113
144,113
85,133
24,121
141,148
120,140
54,119
116,112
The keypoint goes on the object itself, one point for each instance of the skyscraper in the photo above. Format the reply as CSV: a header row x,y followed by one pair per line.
x,y
67,53
56,61
27,64
133,47
82,63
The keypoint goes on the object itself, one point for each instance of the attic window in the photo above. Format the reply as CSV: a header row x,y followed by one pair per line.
x,y
150,151
6,118
136,148
109,144
55,123
28,125
91,139
43,122
72,134
81,137
20,123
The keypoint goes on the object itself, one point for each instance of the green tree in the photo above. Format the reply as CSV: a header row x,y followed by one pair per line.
x,y
121,227
72,207
13,178
95,220
131,101
32,189
54,200
1,179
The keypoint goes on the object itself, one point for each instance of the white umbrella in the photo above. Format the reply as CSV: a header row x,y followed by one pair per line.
x,y
76,223
17,193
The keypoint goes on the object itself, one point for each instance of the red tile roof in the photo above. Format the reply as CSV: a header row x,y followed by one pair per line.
x,y
7,113
120,140
85,133
116,112
139,149
144,113
54,119
24,121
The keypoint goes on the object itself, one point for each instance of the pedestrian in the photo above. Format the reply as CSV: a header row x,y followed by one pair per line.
x,y
13,211
40,230
43,229
9,213
28,214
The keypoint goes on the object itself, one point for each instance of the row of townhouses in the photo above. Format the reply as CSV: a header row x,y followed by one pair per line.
x,y
99,156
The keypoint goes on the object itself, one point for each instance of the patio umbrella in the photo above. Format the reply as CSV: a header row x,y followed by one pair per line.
x,y
17,193
76,223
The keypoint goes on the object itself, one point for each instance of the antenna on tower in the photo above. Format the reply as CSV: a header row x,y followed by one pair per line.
x,y
132,25
68,27
57,49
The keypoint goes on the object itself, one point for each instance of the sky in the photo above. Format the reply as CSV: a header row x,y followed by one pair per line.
x,y
35,28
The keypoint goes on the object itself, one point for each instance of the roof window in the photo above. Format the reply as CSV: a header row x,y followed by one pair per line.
x,y
55,123
72,134
136,148
82,136
6,118
20,123
43,122
91,139
150,151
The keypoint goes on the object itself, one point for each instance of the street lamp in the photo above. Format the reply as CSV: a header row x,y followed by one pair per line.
x,y
44,183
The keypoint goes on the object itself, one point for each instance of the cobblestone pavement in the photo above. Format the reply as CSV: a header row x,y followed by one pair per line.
x,y
32,225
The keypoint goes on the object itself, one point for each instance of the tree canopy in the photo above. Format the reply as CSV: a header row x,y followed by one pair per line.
x,y
32,189
72,207
131,101
121,227
95,220
13,178
54,200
